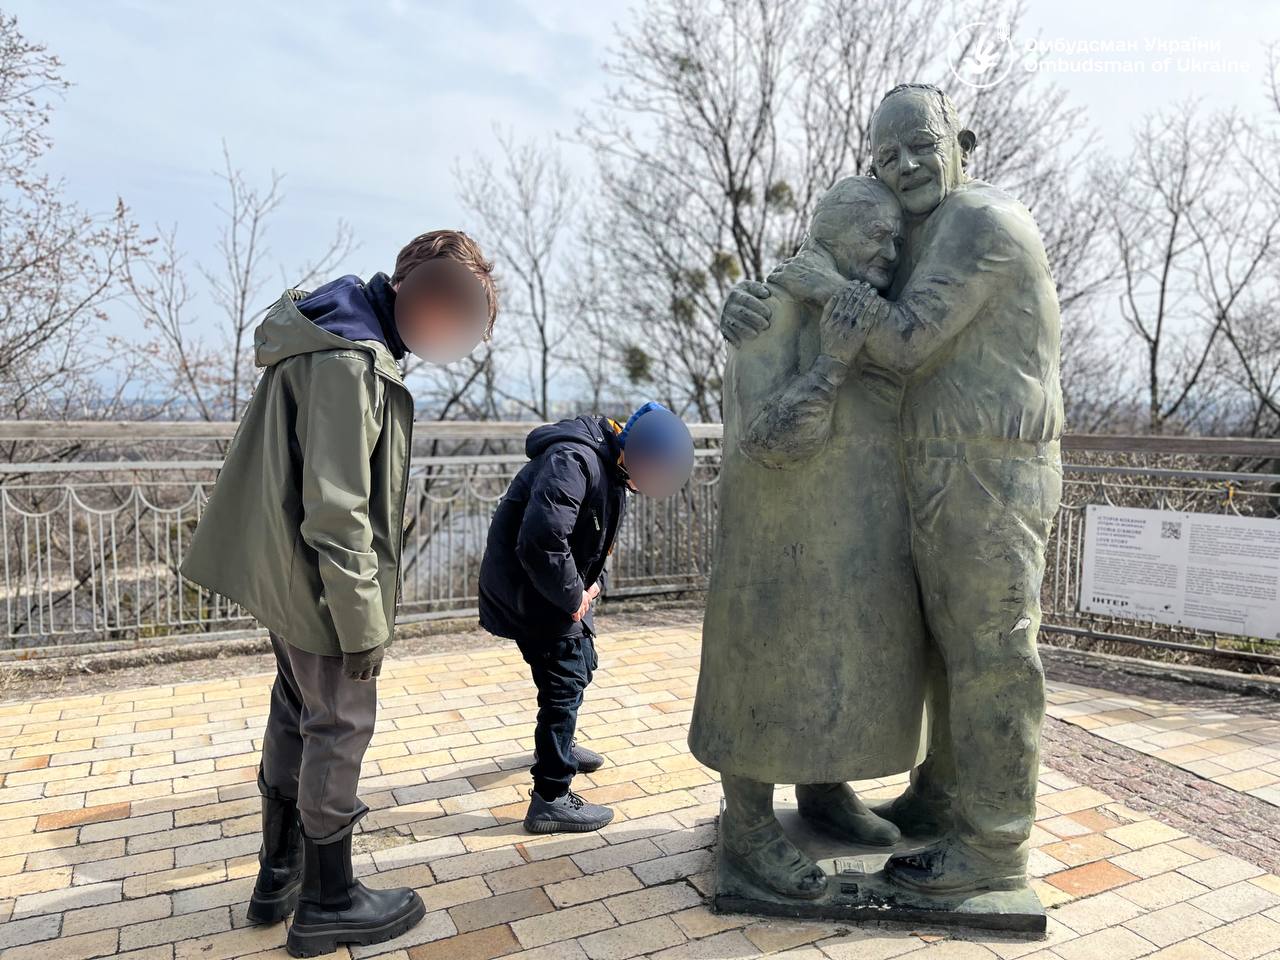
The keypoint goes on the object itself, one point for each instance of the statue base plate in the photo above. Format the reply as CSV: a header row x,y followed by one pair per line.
x,y
857,890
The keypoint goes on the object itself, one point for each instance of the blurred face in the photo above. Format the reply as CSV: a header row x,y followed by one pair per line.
x,y
659,455
441,311
915,151
654,477
863,239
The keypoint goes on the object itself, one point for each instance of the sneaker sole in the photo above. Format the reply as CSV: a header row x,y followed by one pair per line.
x,y
321,940
563,826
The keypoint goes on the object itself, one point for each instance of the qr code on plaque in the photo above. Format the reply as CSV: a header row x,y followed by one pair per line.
x,y
1170,530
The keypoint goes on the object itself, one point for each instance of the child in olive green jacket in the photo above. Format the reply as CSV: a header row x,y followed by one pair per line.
x,y
303,530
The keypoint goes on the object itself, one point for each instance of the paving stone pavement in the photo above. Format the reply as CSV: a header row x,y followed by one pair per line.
x,y
1234,822
128,827
1233,741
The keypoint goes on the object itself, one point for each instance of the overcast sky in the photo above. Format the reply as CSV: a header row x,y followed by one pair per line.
x,y
365,106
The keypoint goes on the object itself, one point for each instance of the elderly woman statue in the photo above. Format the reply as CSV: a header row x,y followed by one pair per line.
x,y
813,644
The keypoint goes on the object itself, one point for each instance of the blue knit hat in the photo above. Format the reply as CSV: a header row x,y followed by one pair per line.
x,y
658,450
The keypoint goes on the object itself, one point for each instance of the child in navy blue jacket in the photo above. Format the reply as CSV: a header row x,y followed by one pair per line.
x,y
544,565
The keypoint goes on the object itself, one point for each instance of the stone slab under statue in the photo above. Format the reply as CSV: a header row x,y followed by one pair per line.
x,y
858,892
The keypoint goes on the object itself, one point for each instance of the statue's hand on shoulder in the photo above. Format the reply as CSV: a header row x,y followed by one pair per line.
x,y
746,313
847,320
808,277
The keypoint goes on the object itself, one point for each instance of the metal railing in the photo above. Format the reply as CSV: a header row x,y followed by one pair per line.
x,y
92,545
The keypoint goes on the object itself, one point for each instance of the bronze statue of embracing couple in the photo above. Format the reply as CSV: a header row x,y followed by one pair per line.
x,y
891,473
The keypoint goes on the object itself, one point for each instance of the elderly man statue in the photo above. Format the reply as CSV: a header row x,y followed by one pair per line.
x,y
972,323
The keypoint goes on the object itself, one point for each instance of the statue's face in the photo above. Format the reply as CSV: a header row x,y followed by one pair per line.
x,y
915,151
865,246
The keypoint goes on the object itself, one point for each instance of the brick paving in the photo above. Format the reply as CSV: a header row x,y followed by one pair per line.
x,y
1232,741
128,828
1231,821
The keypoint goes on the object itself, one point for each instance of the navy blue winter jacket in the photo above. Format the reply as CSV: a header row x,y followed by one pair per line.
x,y
552,531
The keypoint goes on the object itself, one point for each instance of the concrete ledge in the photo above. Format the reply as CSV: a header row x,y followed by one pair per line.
x,y
1255,685
52,663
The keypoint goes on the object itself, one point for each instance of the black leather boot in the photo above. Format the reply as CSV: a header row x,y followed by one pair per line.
x,y
335,907
279,862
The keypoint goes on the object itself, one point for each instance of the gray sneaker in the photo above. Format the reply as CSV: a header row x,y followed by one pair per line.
x,y
568,813
588,761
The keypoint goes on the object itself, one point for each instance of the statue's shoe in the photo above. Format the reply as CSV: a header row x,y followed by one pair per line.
x,y
917,815
952,866
764,854
836,810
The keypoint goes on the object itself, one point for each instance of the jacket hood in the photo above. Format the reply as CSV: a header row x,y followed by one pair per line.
x,y
286,332
594,432
356,310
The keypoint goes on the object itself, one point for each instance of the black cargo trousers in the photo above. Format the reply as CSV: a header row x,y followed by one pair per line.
x,y
562,669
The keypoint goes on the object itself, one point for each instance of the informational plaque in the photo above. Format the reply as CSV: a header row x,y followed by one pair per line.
x,y
1202,570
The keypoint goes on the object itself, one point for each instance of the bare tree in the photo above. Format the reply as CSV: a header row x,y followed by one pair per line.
x,y
214,377
524,207
1192,239
1237,237
1097,395
1251,359
60,266
727,119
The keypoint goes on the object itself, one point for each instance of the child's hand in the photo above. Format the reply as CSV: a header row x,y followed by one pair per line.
x,y
364,665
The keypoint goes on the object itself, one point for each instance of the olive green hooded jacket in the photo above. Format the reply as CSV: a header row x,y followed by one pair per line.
x,y
304,525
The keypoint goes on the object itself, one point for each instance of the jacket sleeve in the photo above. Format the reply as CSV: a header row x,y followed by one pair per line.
x,y
793,424
337,429
781,391
542,544
971,256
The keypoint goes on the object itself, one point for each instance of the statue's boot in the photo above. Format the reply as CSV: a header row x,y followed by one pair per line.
x,y
836,810
917,813
764,854
952,866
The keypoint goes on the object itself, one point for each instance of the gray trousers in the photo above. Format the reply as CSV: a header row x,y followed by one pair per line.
x,y
318,729
981,516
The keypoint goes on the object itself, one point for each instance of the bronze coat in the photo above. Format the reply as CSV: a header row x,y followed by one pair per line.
x,y
813,641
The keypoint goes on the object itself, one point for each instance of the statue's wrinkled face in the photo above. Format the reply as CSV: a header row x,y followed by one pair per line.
x,y
863,237
916,151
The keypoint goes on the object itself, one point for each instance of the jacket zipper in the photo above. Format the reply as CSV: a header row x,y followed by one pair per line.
x,y
404,488
616,522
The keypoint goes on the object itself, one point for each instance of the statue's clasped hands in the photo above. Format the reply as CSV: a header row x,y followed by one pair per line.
x,y
847,319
